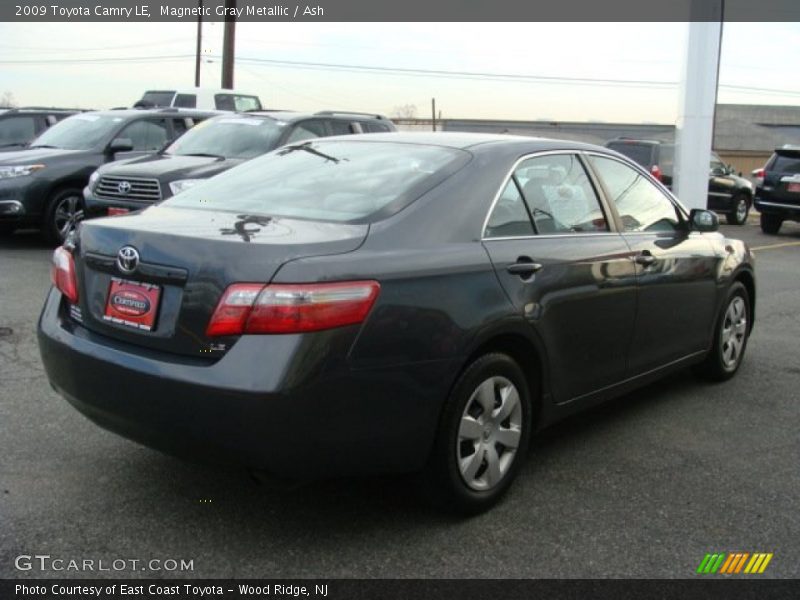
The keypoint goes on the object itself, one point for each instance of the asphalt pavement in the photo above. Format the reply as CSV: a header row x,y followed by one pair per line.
x,y
641,487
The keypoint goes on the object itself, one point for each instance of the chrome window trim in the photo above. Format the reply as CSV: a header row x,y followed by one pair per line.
x,y
507,178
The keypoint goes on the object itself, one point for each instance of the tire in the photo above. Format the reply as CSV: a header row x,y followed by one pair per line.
x,y
740,209
64,210
474,461
730,336
770,224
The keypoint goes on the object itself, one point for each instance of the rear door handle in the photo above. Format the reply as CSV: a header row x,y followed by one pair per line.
x,y
524,267
645,258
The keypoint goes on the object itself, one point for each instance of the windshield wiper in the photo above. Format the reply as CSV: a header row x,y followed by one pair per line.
x,y
13,144
209,155
307,147
44,146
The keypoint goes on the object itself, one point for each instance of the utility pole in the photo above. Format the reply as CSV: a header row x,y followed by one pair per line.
x,y
228,44
199,44
433,113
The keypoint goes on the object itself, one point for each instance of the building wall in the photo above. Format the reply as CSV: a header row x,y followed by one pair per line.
x,y
745,162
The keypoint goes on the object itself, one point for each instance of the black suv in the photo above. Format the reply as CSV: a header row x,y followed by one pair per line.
x,y
728,193
18,126
778,189
42,185
215,146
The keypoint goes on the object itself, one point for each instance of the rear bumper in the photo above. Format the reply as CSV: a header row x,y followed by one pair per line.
x,y
771,207
245,408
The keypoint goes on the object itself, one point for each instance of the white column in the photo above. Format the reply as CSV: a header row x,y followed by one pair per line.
x,y
695,124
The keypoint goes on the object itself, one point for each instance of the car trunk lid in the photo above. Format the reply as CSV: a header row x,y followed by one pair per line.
x,y
186,259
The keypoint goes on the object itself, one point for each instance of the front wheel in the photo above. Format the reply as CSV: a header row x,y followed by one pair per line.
x,y
64,210
740,208
730,336
483,436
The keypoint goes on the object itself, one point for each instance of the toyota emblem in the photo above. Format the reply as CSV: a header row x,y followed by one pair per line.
x,y
124,187
127,259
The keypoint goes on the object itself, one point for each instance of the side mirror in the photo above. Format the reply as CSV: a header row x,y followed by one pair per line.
x,y
718,171
120,145
703,220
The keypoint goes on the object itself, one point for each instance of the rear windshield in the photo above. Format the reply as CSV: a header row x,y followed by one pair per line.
x,y
788,162
158,98
343,181
231,137
641,153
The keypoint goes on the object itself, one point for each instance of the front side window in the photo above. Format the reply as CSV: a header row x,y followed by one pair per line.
x,y
559,195
640,204
231,137
307,130
327,180
146,134
245,103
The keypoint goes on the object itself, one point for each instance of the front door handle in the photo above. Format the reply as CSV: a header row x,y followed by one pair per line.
x,y
524,267
645,258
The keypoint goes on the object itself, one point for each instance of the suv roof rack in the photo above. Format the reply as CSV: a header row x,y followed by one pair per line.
x,y
52,108
350,113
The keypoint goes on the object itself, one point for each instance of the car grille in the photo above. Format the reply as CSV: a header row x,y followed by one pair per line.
x,y
128,188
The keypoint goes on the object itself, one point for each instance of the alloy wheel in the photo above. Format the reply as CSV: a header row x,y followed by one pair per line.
x,y
66,214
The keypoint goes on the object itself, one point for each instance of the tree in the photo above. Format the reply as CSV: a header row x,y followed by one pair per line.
x,y
7,100
406,111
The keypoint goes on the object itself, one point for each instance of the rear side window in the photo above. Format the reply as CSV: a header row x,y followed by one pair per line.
x,y
786,163
327,180
509,216
17,130
245,103
186,101
373,127
559,195
640,204
643,154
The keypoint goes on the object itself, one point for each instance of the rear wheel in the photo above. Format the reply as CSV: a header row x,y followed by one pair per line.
x,y
730,336
770,223
483,436
64,210
740,208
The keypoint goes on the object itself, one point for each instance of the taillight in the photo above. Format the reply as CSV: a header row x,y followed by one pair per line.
x,y
759,174
62,274
655,171
291,308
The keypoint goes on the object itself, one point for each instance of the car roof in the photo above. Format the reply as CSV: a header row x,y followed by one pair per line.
x,y
164,111
291,116
33,110
463,140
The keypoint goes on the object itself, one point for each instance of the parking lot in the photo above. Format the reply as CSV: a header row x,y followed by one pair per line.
x,y
642,487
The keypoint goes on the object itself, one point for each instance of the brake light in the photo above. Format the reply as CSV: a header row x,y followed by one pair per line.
x,y
62,274
291,308
655,171
759,174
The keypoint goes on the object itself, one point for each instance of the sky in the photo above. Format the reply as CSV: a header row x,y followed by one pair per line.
x,y
608,72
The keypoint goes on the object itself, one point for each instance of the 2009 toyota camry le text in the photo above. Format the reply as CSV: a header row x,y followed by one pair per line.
x,y
391,303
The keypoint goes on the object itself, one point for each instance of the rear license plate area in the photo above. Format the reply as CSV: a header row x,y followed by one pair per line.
x,y
132,304
793,187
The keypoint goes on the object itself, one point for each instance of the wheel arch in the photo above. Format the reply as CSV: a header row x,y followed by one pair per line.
x,y
747,279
